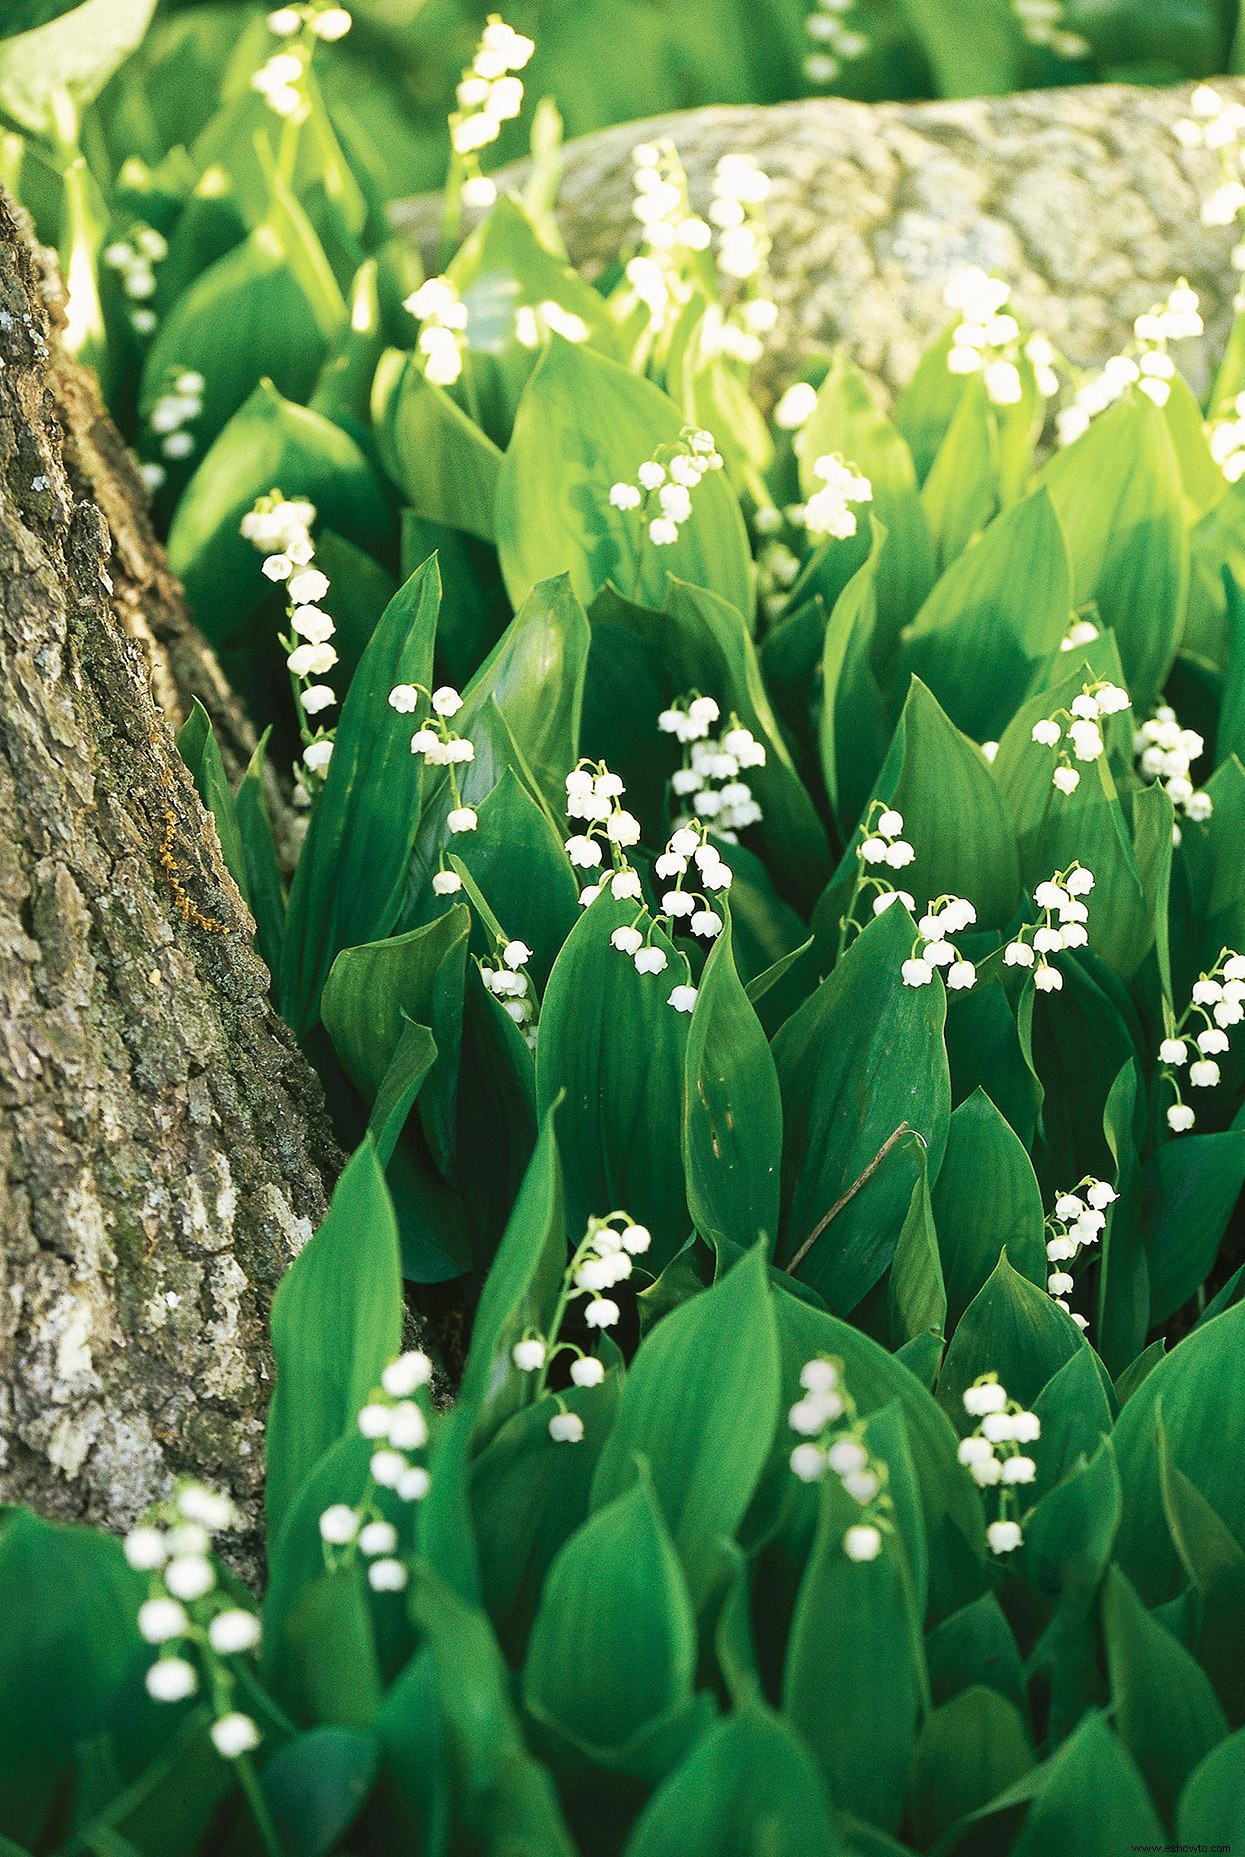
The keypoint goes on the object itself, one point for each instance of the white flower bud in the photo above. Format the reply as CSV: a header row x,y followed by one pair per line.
x,y
171,1679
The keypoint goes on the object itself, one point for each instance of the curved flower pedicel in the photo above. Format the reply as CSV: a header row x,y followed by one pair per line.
x,y
436,741
664,484
603,1258
1076,732
397,1425
994,1457
1079,1220
280,528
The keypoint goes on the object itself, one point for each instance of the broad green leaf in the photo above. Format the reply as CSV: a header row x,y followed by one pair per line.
x,y
584,423
609,1039
961,493
993,619
975,1646
852,1681
705,1437
1203,1401
1117,494
59,47
515,863
852,1074
853,730
268,443
732,1110
445,466
615,1600
974,46
370,992
336,1323
1164,1708
969,1750
197,745
1190,1188
351,873
1211,1810
413,1057
1091,1797
916,1293
1011,1328
520,1290
747,1786
972,1224
315,1787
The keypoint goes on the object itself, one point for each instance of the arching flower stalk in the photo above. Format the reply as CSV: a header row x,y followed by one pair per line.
x,y
1078,729
437,742
397,1425
280,529
1064,924
603,1258
994,1457
1199,1038
833,1433
1079,1219
709,785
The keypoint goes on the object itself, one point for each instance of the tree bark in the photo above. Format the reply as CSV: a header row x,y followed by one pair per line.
x,y
164,1149
1082,199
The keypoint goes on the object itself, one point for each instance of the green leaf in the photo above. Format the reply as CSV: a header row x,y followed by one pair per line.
x,y
732,1154
351,873
267,443
336,1323
372,990
535,675
516,867
853,1680
850,1079
1203,1402
1011,1328
520,1290
1163,1705
705,1437
445,467
1190,1188
315,1787
197,745
969,1750
747,1786
1117,494
1212,1806
610,1041
1091,1798
49,46
585,423
993,619
615,1600
414,1056
972,1225
973,46
853,729
916,1293
960,495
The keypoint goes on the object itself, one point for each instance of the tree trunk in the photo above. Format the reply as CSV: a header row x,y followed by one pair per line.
x,y
1082,199
165,1150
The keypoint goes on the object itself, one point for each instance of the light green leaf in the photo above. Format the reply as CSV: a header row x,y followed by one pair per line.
x,y
972,1225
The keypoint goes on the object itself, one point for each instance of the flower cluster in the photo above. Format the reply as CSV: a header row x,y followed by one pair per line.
x,y
946,916
280,528
507,980
709,781
604,1257
1060,900
198,1630
987,339
443,319
993,1456
1081,631
672,235
829,510
436,741
534,323
170,420
1220,125
1078,728
1146,363
488,95
282,80
666,481
1165,752
882,848
826,1418
594,795
837,43
396,1424
134,259
1044,23
1079,1219
684,908
740,187
1218,1003
1226,438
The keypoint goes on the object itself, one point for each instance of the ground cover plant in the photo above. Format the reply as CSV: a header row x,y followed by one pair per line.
x,y
770,919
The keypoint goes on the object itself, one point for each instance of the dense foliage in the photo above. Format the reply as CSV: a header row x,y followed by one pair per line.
x,y
770,922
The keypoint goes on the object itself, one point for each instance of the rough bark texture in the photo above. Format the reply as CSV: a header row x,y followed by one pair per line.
x,y
1081,198
162,1140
